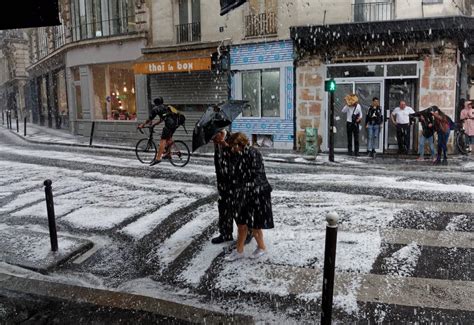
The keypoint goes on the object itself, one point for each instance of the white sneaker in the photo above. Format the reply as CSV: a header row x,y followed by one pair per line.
x,y
234,256
258,253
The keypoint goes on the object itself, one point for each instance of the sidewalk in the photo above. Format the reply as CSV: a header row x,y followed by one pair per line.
x,y
48,136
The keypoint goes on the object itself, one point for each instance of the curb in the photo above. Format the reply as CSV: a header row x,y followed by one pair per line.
x,y
121,300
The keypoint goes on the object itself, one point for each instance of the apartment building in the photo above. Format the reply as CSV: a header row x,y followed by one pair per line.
x,y
82,70
418,51
13,76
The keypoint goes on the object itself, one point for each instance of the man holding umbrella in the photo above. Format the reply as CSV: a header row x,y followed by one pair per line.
x,y
212,127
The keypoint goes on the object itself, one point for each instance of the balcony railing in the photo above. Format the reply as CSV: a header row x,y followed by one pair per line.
x,y
110,27
260,25
374,11
188,32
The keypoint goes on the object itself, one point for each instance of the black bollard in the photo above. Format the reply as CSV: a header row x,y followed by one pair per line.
x,y
24,127
92,133
17,125
329,265
48,190
3,118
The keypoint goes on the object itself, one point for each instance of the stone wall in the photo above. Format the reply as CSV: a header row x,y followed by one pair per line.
x,y
310,97
438,83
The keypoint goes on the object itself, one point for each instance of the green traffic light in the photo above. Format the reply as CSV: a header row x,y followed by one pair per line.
x,y
330,85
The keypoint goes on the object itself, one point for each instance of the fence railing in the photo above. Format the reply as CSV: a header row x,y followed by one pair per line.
x,y
375,11
188,32
103,28
260,24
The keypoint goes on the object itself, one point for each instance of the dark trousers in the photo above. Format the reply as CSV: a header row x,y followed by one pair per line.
x,y
403,137
226,221
352,129
443,144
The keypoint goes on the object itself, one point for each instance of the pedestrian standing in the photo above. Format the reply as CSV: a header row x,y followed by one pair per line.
x,y
353,117
373,124
427,134
443,125
222,165
467,117
253,207
401,119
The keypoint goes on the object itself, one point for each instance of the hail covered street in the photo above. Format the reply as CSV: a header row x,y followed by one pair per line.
x,y
405,237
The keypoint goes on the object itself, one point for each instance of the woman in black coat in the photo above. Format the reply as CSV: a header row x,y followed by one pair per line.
x,y
253,206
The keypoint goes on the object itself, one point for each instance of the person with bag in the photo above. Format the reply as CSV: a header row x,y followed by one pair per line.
x,y
443,125
252,201
373,124
427,134
353,117
172,118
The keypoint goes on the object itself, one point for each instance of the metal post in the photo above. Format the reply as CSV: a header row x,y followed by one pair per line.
x,y
3,118
331,128
17,125
92,133
51,218
329,265
24,127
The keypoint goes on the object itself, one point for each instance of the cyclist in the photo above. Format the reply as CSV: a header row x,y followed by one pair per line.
x,y
170,116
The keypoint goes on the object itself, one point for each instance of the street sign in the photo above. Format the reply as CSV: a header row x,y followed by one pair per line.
x,y
330,85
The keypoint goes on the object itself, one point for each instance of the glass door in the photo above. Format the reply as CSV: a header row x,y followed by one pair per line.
x,y
365,91
397,90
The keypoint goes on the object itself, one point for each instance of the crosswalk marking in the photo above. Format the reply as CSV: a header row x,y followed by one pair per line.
x,y
428,237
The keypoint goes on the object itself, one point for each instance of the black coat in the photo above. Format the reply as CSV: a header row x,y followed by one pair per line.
x,y
374,115
249,171
223,168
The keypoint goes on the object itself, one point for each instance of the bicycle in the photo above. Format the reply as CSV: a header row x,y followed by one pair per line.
x,y
461,139
177,152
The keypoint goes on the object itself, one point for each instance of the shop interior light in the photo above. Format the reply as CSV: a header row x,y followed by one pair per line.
x,y
124,89
133,90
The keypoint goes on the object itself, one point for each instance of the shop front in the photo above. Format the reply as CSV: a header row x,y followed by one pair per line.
x,y
187,80
263,75
391,64
104,92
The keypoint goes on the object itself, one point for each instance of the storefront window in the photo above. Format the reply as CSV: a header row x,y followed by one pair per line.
x,y
114,92
351,71
262,90
44,98
401,70
76,83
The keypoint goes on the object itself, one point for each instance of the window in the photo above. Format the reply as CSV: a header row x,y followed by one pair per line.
x,y
262,90
114,92
402,70
355,71
76,77
432,1
60,80
189,28
98,18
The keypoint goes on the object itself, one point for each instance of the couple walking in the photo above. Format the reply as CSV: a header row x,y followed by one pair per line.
x,y
244,193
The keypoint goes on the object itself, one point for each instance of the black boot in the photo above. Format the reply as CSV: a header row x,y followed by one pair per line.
x,y
220,239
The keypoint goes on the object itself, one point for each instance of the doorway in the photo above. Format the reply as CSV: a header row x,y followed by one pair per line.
x,y
365,91
397,90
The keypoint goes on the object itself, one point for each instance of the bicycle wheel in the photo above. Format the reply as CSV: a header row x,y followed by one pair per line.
x,y
462,142
179,154
145,151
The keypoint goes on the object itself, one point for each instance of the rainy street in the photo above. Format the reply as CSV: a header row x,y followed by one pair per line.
x,y
403,253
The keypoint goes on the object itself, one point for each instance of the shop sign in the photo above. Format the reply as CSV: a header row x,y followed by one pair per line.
x,y
184,65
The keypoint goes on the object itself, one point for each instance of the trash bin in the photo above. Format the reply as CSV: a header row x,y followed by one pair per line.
x,y
311,144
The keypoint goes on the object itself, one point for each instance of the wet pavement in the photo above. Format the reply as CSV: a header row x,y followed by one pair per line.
x,y
410,224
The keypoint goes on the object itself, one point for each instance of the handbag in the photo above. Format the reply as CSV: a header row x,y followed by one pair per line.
x,y
355,117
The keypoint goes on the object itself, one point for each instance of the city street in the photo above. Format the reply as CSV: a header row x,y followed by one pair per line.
x,y
404,248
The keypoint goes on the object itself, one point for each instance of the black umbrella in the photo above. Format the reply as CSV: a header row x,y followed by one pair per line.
x,y
214,119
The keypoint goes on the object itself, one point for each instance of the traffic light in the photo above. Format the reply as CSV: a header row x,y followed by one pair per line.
x,y
330,85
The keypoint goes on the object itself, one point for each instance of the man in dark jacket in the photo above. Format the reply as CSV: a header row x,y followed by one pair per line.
x,y
171,124
427,125
222,164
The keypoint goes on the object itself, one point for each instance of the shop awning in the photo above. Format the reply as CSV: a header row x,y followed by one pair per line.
x,y
320,38
155,61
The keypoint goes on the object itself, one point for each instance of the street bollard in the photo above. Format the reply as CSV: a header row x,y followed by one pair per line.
x,y
92,133
3,118
48,190
24,127
17,125
329,265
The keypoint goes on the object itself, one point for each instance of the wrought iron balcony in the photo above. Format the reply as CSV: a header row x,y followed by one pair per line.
x,y
186,33
103,28
374,11
260,25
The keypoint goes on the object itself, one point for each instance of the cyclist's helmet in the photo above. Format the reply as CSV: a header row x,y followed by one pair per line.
x,y
158,101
